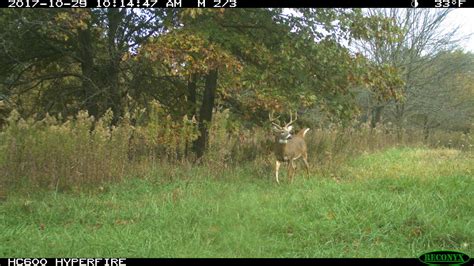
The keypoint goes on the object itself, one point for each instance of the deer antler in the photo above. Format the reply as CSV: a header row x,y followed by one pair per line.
x,y
270,117
291,119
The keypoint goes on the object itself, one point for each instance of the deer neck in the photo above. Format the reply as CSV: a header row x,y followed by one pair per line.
x,y
283,141
281,146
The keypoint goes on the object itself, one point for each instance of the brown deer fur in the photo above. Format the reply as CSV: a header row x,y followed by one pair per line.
x,y
288,148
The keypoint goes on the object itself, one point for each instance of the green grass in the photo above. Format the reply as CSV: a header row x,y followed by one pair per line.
x,y
396,203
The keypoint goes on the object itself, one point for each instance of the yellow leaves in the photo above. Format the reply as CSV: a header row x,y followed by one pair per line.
x,y
307,100
382,79
69,22
188,53
220,12
13,117
73,19
192,12
126,56
165,132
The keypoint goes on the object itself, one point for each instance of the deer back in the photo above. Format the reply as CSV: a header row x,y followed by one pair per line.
x,y
294,148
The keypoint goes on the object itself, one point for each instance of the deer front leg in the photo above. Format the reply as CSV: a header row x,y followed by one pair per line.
x,y
277,167
291,169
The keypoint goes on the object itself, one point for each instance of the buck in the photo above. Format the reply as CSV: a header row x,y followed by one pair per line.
x,y
288,147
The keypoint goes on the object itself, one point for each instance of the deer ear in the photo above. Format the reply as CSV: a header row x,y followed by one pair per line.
x,y
275,128
290,128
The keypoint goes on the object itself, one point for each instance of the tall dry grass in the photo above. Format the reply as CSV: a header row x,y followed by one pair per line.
x,y
82,151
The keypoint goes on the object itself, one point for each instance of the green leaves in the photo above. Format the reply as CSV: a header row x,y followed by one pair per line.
x,y
268,59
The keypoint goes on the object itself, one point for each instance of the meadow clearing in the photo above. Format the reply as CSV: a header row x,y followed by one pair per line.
x,y
399,202
129,132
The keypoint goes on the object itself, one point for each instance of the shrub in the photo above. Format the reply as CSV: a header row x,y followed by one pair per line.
x,y
83,151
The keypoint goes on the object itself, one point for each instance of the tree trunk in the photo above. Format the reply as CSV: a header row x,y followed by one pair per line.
x,y
205,114
192,90
426,129
376,115
114,99
399,114
86,55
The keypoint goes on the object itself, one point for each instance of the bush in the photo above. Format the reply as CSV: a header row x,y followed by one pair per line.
x,y
85,151
82,151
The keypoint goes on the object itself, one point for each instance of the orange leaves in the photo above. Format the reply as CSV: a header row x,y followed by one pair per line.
x,y
69,22
185,53
383,79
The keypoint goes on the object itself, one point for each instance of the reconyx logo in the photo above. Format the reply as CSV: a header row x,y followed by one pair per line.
x,y
444,257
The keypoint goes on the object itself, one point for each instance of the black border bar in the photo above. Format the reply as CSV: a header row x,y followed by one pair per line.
x,y
234,3
207,261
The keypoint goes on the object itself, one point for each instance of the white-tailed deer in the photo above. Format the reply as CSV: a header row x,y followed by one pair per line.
x,y
288,147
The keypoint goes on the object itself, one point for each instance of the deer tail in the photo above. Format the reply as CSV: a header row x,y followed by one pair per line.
x,y
303,132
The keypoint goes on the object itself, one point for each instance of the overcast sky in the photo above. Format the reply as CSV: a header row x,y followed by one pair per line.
x,y
463,17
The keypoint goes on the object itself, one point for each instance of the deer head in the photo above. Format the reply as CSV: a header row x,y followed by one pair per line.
x,y
283,132
288,147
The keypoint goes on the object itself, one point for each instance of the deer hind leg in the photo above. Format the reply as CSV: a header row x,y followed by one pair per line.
x,y
277,167
305,160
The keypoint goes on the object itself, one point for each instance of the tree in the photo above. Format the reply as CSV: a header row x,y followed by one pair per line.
x,y
266,60
251,61
76,59
447,101
417,45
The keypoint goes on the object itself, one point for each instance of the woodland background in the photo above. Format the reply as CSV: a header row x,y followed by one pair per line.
x,y
145,133
89,94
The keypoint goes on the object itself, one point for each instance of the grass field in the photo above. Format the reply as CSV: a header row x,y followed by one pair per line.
x,y
396,203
